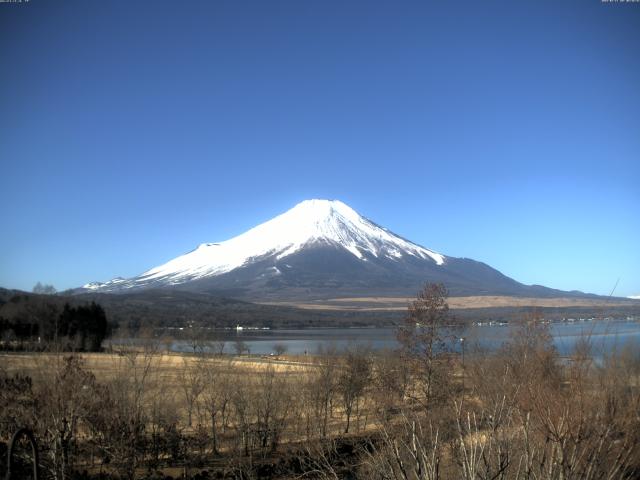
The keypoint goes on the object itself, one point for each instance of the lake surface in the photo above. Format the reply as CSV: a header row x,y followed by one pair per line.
x,y
605,336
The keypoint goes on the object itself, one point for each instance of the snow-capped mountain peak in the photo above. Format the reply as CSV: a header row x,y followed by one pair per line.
x,y
310,223
320,249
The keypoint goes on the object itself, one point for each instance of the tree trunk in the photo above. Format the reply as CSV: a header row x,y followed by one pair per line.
x,y
214,434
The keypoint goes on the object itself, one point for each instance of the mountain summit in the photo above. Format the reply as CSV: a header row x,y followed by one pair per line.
x,y
319,248
310,223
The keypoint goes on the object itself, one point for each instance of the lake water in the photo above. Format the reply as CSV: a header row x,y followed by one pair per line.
x,y
605,336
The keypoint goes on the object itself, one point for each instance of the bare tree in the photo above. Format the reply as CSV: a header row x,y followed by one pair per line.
x,y
406,451
423,338
320,388
241,399
67,398
272,406
44,289
191,382
353,378
216,397
240,347
196,337
118,425
18,403
279,349
391,378
530,352
216,344
163,418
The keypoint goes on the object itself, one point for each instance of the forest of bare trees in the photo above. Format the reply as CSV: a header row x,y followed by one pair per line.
x,y
520,412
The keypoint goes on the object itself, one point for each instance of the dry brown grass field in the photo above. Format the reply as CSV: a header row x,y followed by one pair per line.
x,y
167,374
261,402
419,413
168,365
270,412
400,303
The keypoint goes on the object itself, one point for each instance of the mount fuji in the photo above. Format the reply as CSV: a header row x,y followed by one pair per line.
x,y
320,249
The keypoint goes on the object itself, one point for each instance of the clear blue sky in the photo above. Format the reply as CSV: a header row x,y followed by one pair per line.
x,y
507,132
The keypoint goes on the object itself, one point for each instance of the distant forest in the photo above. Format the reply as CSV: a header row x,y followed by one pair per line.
x,y
80,319
33,322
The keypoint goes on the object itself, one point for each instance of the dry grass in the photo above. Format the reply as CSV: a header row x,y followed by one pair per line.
x,y
400,303
168,365
167,371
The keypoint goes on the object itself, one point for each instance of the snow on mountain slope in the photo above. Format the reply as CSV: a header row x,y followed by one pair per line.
x,y
309,223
